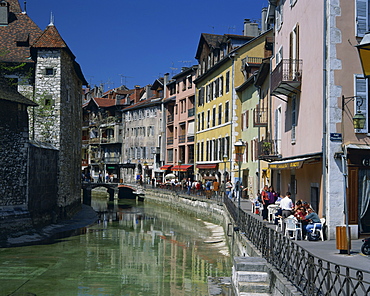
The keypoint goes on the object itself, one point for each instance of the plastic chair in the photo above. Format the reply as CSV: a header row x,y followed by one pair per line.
x,y
279,225
291,224
319,230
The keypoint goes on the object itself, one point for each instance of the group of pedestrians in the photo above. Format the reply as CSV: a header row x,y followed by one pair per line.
x,y
301,210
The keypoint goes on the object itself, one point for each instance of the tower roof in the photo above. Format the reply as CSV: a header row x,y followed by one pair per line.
x,y
51,38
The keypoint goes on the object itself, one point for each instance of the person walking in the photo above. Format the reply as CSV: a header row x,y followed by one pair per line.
x,y
216,188
229,187
188,185
265,202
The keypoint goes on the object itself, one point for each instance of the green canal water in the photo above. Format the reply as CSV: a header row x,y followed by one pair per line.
x,y
135,249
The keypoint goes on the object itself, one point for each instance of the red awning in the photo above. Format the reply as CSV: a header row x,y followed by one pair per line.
x,y
166,167
207,166
182,168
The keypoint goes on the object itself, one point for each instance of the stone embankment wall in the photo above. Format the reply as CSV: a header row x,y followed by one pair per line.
x,y
242,250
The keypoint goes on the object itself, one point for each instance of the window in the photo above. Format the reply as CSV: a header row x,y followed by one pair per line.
x,y
214,117
49,71
227,86
202,151
221,86
279,16
219,114
190,81
202,120
198,151
294,119
361,101
170,155
198,123
184,84
362,17
201,96
226,112
208,118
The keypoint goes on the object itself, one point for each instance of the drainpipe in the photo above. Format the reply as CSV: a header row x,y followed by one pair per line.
x,y
232,56
324,138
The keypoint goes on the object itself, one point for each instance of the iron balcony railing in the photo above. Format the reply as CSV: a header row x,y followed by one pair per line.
x,y
268,148
191,112
182,139
287,76
260,116
310,274
170,118
169,140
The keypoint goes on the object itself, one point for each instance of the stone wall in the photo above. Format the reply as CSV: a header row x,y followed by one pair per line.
x,y
43,187
13,153
64,119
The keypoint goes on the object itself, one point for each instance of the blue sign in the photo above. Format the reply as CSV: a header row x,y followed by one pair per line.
x,y
336,137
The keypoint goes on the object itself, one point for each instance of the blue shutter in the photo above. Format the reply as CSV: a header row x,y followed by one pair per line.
x,y
362,24
361,103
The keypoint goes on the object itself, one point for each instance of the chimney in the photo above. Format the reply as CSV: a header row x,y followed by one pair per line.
x,y
4,13
264,20
250,29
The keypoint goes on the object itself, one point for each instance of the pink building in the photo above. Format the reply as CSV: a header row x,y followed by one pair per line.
x,y
179,117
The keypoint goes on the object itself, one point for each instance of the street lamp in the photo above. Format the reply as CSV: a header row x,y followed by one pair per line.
x,y
239,151
225,158
364,53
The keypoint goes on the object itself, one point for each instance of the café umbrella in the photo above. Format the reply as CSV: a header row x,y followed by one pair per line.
x,y
170,176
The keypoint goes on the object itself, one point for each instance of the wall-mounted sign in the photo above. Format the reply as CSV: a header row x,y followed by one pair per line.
x,y
336,137
366,161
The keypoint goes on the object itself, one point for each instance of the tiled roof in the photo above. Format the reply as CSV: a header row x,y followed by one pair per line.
x,y
102,102
14,6
51,38
17,37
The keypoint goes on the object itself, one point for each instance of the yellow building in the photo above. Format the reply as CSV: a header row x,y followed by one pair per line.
x,y
225,63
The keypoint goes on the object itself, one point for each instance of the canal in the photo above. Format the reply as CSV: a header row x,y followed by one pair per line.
x,y
134,249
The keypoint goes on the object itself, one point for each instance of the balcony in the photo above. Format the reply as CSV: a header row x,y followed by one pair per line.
x,y
191,112
170,118
260,117
190,139
269,149
169,140
182,139
286,77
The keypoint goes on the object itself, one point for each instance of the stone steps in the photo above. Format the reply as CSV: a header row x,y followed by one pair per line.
x,y
250,276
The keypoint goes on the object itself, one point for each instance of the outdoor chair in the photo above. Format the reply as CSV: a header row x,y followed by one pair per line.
x,y
319,230
279,225
292,225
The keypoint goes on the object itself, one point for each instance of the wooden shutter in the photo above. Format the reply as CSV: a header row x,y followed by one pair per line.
x,y
362,23
361,100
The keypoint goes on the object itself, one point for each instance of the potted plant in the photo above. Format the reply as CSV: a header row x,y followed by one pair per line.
x,y
266,147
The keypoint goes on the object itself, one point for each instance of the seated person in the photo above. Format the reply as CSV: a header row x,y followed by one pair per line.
x,y
311,218
300,213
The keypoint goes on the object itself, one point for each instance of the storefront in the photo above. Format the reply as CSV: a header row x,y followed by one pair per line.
x,y
302,177
358,194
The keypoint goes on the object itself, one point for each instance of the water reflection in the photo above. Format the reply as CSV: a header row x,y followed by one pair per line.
x,y
133,250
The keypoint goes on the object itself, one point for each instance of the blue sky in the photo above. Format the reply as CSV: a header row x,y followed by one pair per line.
x,y
137,41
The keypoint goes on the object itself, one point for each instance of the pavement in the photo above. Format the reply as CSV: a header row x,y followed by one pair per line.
x,y
325,249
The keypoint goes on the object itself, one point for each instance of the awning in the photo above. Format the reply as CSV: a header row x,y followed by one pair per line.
x,y
128,165
209,178
296,163
191,129
166,167
211,166
182,168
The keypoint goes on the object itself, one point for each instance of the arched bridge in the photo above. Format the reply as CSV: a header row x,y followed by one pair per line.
x,y
113,189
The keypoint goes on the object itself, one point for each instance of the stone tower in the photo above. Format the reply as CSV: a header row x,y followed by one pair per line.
x,y
58,91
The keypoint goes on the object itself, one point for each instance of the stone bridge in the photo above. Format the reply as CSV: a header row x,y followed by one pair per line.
x,y
113,189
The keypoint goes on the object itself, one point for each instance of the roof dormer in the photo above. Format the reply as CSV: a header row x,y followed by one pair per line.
x,y
4,13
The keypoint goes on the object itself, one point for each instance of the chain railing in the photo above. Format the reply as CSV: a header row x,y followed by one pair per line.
x,y
311,275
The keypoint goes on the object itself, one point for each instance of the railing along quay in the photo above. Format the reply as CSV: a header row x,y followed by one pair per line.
x,y
310,274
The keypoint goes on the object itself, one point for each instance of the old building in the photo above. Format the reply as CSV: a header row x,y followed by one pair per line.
x,y
45,70
179,105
